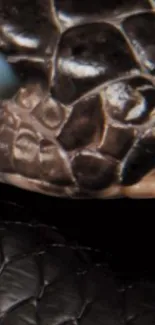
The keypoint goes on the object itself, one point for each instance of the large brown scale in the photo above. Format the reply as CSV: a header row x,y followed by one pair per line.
x,y
82,122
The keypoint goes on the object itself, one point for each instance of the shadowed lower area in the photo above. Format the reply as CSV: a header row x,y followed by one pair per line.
x,y
75,262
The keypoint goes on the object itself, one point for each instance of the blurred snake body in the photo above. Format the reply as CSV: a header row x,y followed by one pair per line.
x,y
77,97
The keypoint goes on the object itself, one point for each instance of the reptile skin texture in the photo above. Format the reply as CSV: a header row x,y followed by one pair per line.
x,y
82,122
92,267
75,262
45,279
96,271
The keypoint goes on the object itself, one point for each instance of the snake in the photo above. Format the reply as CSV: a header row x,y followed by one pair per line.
x,y
77,97
77,120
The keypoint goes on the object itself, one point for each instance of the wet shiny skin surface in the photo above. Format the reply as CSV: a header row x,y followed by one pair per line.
x,y
82,121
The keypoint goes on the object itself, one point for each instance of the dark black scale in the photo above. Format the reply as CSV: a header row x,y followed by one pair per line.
x,y
139,160
117,140
31,71
97,52
140,82
85,124
30,21
140,29
94,171
99,7
134,100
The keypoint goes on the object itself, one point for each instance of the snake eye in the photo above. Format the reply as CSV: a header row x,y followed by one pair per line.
x,y
9,81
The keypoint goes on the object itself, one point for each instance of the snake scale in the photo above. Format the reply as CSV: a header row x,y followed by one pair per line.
x,y
79,121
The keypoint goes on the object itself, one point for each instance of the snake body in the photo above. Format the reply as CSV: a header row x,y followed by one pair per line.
x,y
80,122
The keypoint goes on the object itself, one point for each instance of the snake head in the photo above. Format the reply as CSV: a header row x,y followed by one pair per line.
x,y
77,97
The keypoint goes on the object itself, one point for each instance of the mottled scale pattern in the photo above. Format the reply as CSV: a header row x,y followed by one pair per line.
x,y
82,122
